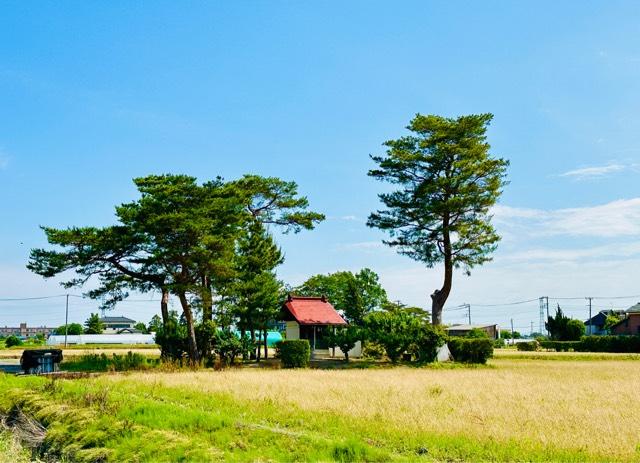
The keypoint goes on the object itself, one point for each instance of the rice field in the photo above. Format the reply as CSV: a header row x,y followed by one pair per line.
x,y
510,410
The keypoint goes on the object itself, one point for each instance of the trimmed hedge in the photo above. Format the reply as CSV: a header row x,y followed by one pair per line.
x,y
561,346
614,344
530,346
294,353
471,350
621,344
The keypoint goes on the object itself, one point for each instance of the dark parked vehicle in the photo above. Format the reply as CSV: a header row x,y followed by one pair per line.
x,y
38,361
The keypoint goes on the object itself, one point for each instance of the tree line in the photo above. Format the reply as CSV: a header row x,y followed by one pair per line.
x,y
211,246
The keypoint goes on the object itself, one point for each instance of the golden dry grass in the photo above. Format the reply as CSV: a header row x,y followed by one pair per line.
x,y
569,405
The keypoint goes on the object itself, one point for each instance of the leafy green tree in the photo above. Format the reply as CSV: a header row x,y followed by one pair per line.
x,y
477,333
447,182
611,320
141,327
345,338
93,325
71,329
575,329
355,295
506,334
154,324
417,312
395,331
12,341
563,328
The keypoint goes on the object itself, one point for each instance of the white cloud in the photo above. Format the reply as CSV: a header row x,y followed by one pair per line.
x,y
590,173
614,219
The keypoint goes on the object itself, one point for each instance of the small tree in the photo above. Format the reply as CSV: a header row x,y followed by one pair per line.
x,y
345,338
93,325
12,341
141,327
154,324
611,320
72,329
395,331
447,182
563,328
477,333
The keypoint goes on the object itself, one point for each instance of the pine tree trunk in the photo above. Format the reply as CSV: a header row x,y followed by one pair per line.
x,y
164,306
440,296
266,349
194,355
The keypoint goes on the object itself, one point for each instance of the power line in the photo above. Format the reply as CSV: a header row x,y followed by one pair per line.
x,y
14,299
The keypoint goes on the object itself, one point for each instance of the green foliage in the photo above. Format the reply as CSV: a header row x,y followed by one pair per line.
x,y
428,339
563,328
141,327
621,344
172,338
395,331
499,343
471,350
611,320
560,346
294,353
154,324
344,337
355,295
477,333
229,346
372,350
506,334
529,346
93,325
103,362
447,184
12,341
72,329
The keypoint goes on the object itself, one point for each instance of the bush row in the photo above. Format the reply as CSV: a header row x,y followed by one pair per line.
x,y
103,362
471,350
615,344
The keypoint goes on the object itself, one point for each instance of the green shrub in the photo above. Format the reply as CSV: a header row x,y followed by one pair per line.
x,y
530,346
294,353
499,343
372,350
103,362
471,350
13,341
428,340
229,346
561,346
621,344
477,333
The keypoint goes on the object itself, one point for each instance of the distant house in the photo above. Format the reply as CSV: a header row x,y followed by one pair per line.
x,y
309,318
113,325
630,324
25,331
462,330
595,325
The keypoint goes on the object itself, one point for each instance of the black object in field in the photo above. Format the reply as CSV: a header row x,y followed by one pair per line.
x,y
40,361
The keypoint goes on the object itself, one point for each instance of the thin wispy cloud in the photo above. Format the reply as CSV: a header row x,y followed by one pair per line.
x,y
614,219
594,172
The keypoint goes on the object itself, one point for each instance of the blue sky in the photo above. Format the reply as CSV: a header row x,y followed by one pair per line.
x,y
94,94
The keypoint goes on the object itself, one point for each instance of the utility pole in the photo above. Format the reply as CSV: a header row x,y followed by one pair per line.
x,y
66,321
468,306
590,325
531,331
512,341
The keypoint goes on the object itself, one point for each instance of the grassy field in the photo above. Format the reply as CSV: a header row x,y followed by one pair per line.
x,y
511,410
75,351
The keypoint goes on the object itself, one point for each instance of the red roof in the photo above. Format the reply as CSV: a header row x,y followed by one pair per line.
x,y
313,311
